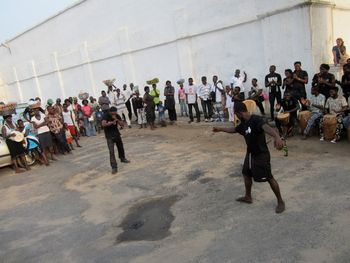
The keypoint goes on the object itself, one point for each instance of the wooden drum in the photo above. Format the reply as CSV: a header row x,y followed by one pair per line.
x,y
283,117
329,126
303,117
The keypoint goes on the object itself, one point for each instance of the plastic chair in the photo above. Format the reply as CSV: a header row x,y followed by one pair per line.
x,y
251,105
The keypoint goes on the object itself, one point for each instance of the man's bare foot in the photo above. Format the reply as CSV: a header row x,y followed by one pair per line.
x,y
280,207
245,199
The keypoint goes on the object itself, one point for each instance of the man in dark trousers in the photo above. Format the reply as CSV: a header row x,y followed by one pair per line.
x,y
273,82
257,161
110,123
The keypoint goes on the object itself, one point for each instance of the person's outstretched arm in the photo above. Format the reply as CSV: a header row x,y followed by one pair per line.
x,y
222,129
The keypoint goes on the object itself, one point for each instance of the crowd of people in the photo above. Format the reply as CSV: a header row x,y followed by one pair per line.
x,y
54,128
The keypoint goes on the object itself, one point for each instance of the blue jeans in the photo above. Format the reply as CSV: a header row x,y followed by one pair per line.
x,y
183,107
315,116
89,127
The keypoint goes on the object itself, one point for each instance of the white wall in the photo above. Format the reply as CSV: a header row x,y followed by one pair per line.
x,y
135,40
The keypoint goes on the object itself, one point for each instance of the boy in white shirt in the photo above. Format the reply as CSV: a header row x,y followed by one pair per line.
x,y
191,98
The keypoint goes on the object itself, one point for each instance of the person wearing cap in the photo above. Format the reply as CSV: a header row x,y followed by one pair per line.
x,y
324,80
16,148
110,122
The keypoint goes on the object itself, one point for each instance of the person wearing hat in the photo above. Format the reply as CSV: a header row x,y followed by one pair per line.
x,y
15,145
110,123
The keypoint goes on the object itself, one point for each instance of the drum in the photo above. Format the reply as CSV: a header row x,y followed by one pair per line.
x,y
303,117
283,117
329,126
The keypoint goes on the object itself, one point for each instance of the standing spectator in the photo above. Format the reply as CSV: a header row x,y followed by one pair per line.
x,y
237,81
182,98
68,120
191,98
204,91
287,85
345,81
111,93
134,89
58,106
336,50
149,103
256,95
110,125
324,80
169,93
218,91
229,103
140,110
87,112
301,78
44,135
127,95
273,82
104,102
121,107
155,93
55,123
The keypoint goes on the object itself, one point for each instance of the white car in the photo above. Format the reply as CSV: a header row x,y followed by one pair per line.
x,y
5,157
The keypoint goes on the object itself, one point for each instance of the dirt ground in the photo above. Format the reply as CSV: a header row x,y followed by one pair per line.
x,y
175,202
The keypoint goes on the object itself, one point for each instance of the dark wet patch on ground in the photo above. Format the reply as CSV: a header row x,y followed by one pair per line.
x,y
194,175
150,220
206,180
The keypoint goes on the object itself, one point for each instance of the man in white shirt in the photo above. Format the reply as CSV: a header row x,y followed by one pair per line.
x,y
204,91
191,98
112,95
219,90
316,106
121,107
127,94
336,105
237,81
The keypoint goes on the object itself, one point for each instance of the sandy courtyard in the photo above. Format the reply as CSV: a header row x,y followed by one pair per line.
x,y
175,202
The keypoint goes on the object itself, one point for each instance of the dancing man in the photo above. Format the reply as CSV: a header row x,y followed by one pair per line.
x,y
257,161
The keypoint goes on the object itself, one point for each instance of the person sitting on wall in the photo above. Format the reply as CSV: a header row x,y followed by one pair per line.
x,y
336,50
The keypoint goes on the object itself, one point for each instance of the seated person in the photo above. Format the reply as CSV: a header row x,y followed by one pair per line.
x,y
288,105
335,105
316,105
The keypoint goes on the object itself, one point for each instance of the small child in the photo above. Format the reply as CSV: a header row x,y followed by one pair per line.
x,y
161,111
69,136
98,119
139,105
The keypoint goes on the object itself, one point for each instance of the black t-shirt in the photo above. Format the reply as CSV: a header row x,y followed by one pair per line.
x,y
290,104
299,87
345,87
276,87
138,102
254,135
323,88
110,131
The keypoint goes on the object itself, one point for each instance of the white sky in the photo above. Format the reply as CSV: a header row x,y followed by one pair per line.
x,y
19,15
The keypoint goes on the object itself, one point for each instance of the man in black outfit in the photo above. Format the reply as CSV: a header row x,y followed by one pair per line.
x,y
273,81
301,78
289,105
324,80
345,81
110,123
257,161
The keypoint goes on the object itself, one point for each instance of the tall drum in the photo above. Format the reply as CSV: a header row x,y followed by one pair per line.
x,y
329,126
303,117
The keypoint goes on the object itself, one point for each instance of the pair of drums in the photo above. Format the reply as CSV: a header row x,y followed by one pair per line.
x,y
329,124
